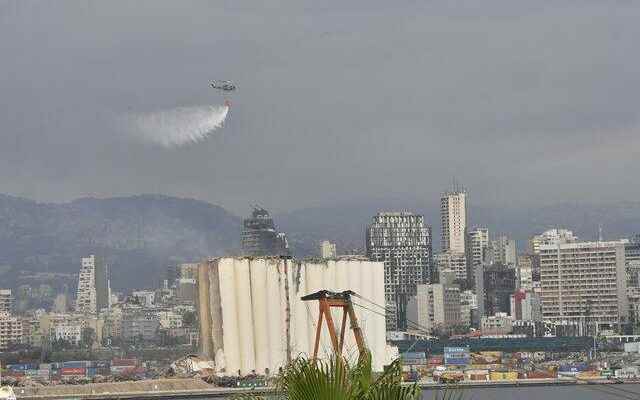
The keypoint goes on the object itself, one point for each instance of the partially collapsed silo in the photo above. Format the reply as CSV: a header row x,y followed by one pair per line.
x,y
253,321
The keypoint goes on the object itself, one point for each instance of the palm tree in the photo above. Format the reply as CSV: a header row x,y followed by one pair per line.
x,y
335,379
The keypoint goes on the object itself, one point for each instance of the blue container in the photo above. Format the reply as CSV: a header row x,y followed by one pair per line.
x,y
91,371
73,364
18,367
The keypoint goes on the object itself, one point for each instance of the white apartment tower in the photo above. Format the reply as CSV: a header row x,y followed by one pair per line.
x,y
327,249
453,212
93,286
584,282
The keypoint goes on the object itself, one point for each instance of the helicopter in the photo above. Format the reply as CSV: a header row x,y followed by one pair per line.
x,y
225,86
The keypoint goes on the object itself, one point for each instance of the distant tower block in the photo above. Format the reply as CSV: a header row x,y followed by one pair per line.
x,y
327,249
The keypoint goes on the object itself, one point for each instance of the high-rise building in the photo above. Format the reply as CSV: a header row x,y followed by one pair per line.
x,y
93,286
6,301
403,242
504,251
327,249
260,237
584,282
477,244
525,272
468,304
632,261
495,284
453,213
435,306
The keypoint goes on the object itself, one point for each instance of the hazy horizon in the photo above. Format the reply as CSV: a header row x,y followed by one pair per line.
x,y
525,103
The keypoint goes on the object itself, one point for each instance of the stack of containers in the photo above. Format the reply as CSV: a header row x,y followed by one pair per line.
x,y
103,367
44,372
75,369
120,366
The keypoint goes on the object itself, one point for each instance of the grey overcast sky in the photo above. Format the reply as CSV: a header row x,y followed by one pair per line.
x,y
522,101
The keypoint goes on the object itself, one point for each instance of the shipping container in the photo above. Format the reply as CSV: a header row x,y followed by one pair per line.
x,y
73,371
74,364
435,360
103,364
120,362
18,367
91,372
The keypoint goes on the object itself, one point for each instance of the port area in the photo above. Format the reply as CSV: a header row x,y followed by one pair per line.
x,y
194,388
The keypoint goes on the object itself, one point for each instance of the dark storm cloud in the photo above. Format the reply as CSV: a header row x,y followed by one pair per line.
x,y
337,101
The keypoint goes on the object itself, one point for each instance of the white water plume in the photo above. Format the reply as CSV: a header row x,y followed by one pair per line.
x,y
178,126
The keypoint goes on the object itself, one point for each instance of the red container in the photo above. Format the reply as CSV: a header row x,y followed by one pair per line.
x,y
73,371
124,362
436,360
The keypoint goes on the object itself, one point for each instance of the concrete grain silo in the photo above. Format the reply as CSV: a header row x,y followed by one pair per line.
x,y
253,321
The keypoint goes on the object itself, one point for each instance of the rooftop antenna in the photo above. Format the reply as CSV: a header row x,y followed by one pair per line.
x,y
600,232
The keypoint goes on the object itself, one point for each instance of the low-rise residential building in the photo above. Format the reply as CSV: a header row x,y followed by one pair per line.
x,y
186,290
140,327
145,298
169,320
10,330
6,301
69,327
68,332
498,324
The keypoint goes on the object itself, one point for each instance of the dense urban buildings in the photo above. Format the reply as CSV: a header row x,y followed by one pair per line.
x,y
584,282
435,307
327,249
402,242
525,305
93,293
260,237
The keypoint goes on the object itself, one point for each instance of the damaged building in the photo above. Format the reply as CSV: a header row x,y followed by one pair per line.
x,y
252,319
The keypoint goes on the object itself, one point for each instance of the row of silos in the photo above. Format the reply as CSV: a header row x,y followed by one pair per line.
x,y
253,321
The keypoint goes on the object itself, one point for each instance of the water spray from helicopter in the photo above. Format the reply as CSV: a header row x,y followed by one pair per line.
x,y
181,126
